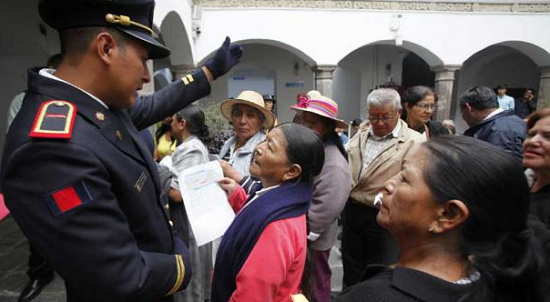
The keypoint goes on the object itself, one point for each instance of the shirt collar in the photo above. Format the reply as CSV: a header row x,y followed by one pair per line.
x,y
258,194
49,73
426,287
250,144
497,111
393,134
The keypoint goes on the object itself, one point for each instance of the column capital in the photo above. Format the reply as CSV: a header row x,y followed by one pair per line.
x,y
323,72
323,78
445,72
440,68
544,71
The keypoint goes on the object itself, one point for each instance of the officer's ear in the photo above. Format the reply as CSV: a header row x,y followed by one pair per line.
x,y
105,45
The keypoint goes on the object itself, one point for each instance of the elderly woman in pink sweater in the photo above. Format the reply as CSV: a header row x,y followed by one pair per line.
x,y
262,254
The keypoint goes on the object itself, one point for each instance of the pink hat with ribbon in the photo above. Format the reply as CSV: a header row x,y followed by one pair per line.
x,y
318,104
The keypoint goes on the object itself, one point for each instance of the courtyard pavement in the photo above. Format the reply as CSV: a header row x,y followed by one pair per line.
x,y
14,253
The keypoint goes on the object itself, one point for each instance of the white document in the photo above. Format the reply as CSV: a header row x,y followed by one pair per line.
x,y
205,202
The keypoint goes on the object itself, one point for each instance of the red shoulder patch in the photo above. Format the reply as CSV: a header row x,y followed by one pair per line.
x,y
54,119
68,198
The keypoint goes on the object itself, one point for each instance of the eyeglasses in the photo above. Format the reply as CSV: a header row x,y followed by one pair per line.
x,y
376,119
425,106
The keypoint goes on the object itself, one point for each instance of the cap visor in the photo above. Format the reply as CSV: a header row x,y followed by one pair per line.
x,y
156,49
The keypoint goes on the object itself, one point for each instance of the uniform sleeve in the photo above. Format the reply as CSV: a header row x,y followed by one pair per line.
x,y
329,198
88,240
259,280
150,109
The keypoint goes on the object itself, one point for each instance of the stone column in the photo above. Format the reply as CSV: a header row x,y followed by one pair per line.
x,y
444,81
323,79
543,95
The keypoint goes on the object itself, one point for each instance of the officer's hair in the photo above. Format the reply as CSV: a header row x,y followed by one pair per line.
x,y
479,97
75,41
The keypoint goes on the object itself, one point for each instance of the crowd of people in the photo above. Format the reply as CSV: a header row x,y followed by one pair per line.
x,y
425,215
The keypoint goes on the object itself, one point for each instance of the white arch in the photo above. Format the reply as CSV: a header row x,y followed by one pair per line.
x,y
537,54
176,38
293,50
431,58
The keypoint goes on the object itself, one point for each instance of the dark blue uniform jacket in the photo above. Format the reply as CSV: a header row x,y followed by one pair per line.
x,y
115,243
504,130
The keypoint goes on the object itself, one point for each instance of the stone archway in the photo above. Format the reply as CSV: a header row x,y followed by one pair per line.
x,y
379,64
175,37
289,68
517,64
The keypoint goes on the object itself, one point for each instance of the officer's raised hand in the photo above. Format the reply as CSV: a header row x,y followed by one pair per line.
x,y
227,56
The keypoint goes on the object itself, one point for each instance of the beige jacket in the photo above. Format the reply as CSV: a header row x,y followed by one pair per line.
x,y
385,165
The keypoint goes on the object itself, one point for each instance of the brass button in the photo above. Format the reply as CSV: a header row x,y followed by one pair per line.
x,y
167,207
171,223
100,116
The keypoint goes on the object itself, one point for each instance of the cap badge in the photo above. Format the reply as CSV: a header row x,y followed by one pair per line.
x,y
126,21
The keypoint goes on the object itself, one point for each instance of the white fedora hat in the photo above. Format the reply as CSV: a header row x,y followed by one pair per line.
x,y
252,99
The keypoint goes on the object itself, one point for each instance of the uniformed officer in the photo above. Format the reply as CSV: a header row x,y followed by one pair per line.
x,y
76,176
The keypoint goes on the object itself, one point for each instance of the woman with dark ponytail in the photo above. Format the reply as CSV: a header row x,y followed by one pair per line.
x,y
262,254
459,211
330,188
189,128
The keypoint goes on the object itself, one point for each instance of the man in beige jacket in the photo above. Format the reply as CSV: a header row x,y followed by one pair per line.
x,y
375,154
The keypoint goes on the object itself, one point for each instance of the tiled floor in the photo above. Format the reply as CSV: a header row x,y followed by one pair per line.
x,y
14,253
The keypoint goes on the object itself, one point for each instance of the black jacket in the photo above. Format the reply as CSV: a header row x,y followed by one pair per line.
x,y
523,107
90,203
435,129
383,284
504,130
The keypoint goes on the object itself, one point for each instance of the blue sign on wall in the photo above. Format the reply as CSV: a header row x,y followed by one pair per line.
x,y
294,84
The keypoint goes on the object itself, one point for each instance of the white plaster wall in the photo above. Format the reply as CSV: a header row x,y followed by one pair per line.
x,y
347,92
184,9
362,71
281,63
20,50
328,36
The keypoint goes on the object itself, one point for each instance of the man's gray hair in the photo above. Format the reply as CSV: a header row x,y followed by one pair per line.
x,y
383,96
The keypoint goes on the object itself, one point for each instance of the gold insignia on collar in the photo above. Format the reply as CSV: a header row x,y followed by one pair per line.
x,y
100,116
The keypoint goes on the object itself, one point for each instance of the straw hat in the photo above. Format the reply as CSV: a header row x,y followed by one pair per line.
x,y
252,99
318,104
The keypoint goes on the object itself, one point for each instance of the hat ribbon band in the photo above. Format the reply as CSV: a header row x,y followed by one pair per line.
x,y
126,21
319,105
